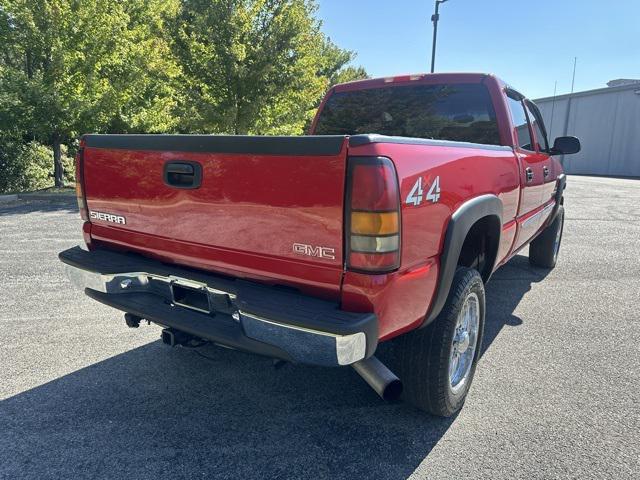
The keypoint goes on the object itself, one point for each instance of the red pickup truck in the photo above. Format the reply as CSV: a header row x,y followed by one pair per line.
x,y
383,224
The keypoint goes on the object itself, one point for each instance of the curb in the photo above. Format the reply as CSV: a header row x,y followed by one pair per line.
x,y
8,198
55,197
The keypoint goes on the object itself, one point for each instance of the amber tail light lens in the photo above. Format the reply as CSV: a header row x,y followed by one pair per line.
x,y
373,215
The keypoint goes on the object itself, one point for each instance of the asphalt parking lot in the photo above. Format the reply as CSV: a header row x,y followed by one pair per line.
x,y
556,394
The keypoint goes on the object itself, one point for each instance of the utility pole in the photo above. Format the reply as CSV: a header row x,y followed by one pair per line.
x,y
553,107
434,18
568,114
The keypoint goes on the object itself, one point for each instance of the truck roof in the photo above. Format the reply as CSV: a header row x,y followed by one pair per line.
x,y
422,78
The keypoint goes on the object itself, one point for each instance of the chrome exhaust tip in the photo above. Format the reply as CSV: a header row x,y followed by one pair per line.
x,y
380,378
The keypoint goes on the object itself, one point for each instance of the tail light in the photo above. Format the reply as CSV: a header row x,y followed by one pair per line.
x,y
372,215
82,201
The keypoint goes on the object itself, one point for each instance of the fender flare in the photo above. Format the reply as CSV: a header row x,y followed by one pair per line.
x,y
461,222
560,186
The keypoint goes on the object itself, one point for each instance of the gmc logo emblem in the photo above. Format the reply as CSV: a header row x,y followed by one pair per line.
x,y
108,217
314,251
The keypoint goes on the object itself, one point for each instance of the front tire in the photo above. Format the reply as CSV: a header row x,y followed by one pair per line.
x,y
544,249
436,364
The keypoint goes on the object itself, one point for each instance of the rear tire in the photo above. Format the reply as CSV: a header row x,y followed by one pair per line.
x,y
544,249
425,359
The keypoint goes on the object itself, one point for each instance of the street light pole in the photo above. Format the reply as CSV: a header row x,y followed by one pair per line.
x,y
434,18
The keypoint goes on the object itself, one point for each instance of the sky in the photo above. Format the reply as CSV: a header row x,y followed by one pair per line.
x,y
529,44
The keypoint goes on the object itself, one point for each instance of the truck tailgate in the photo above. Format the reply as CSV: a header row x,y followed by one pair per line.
x,y
263,207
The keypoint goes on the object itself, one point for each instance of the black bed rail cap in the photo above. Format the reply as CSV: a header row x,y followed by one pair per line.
x,y
249,144
364,139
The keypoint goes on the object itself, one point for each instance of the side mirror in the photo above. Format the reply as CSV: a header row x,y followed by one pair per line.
x,y
565,146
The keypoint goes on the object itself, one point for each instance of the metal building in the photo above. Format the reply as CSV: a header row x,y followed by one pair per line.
x,y
607,122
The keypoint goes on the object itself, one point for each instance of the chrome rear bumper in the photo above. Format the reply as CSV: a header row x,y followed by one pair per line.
x,y
241,314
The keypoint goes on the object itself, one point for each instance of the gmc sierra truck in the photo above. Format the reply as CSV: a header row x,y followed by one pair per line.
x,y
382,225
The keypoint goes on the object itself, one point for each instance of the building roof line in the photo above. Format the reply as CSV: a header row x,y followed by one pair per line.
x,y
595,91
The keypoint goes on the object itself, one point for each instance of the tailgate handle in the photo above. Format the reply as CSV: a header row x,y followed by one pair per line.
x,y
183,174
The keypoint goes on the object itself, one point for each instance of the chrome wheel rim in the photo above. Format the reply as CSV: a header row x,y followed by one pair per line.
x,y
463,344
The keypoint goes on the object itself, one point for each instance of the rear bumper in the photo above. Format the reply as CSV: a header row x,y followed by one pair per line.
x,y
262,319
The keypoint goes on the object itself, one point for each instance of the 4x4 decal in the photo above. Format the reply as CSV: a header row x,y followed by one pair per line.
x,y
415,195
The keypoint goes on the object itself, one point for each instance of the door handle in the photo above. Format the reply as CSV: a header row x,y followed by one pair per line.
x,y
545,171
529,174
182,174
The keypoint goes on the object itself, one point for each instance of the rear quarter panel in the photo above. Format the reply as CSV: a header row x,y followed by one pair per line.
x,y
403,297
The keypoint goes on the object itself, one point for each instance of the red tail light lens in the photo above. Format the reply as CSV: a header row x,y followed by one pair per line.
x,y
374,186
373,215
82,203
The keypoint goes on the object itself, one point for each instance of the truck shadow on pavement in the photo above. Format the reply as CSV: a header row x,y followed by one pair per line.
x,y
503,294
155,412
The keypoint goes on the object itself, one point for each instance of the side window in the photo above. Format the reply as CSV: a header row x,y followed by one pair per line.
x,y
519,119
538,126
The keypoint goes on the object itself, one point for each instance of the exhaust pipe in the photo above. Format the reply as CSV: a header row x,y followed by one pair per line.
x,y
132,321
380,378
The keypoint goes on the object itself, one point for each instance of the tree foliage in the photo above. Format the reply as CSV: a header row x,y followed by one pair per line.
x,y
253,66
27,166
69,67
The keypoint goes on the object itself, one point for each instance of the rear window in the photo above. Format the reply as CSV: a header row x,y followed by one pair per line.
x,y
458,112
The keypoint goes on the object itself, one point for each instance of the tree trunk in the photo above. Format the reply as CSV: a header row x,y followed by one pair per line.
x,y
236,120
58,170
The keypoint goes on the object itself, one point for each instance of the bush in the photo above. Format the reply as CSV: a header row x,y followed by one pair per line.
x,y
29,166
35,163
69,165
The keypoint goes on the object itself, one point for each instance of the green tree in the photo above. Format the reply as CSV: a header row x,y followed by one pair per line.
x,y
349,74
253,66
26,166
74,66
336,65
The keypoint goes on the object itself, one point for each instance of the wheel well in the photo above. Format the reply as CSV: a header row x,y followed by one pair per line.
x,y
480,246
